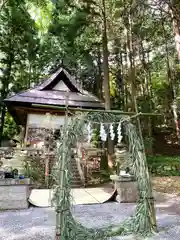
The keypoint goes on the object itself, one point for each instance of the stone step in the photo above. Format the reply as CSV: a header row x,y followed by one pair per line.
x,y
76,185
74,165
74,173
76,182
76,178
74,169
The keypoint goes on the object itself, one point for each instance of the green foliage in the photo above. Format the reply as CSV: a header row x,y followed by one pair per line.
x,y
17,38
95,137
148,142
104,166
34,168
18,44
10,127
164,166
36,36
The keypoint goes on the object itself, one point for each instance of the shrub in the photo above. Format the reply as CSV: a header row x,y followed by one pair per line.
x,y
34,168
164,166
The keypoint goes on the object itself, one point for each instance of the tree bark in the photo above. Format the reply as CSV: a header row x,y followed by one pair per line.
x,y
98,84
126,93
169,72
106,77
119,72
3,113
105,60
131,61
148,121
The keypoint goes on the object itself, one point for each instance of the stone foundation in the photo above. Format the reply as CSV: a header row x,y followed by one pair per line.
x,y
126,188
14,194
127,191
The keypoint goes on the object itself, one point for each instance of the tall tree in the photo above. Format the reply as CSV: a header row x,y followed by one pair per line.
x,y
16,31
105,57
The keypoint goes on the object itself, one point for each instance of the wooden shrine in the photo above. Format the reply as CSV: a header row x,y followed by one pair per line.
x,y
36,109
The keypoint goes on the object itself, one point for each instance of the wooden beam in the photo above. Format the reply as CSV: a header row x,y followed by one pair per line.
x,y
95,110
38,110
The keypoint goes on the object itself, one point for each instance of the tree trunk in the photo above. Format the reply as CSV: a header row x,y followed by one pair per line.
x,y
29,77
125,73
170,75
131,61
123,81
105,60
119,71
150,81
106,78
98,84
3,114
147,121
174,105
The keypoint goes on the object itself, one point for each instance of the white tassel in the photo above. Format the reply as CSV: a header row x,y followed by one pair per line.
x,y
89,129
58,144
120,137
103,134
112,134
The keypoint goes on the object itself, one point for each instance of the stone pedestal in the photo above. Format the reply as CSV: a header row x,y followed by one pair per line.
x,y
126,188
14,194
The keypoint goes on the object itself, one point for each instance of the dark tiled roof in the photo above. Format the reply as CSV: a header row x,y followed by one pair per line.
x,y
44,93
56,98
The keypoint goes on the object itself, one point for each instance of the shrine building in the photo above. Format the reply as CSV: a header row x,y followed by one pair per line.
x,y
41,108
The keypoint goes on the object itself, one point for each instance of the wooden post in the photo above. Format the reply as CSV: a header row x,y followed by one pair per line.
x,y
26,131
60,220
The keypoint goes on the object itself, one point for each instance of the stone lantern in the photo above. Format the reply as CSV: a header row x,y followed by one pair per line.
x,y
121,155
125,182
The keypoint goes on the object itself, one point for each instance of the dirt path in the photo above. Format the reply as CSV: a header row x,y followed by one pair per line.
x,y
167,185
167,193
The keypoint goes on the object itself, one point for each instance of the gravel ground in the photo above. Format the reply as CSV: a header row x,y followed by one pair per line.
x,y
38,223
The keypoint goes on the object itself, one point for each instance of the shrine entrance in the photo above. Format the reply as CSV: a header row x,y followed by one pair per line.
x,y
144,220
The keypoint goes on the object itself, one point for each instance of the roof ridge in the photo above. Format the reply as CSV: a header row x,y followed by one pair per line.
x,y
72,82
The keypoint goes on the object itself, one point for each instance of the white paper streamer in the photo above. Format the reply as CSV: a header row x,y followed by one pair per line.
x,y
89,129
119,133
103,134
112,134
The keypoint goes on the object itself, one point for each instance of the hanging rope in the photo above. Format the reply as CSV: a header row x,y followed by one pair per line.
x,y
124,119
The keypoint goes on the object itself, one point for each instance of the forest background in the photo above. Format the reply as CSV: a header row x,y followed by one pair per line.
x,y
126,52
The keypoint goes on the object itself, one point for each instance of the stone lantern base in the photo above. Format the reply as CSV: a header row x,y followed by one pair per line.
x,y
126,188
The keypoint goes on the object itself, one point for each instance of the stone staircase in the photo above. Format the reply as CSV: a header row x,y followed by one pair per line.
x,y
76,179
